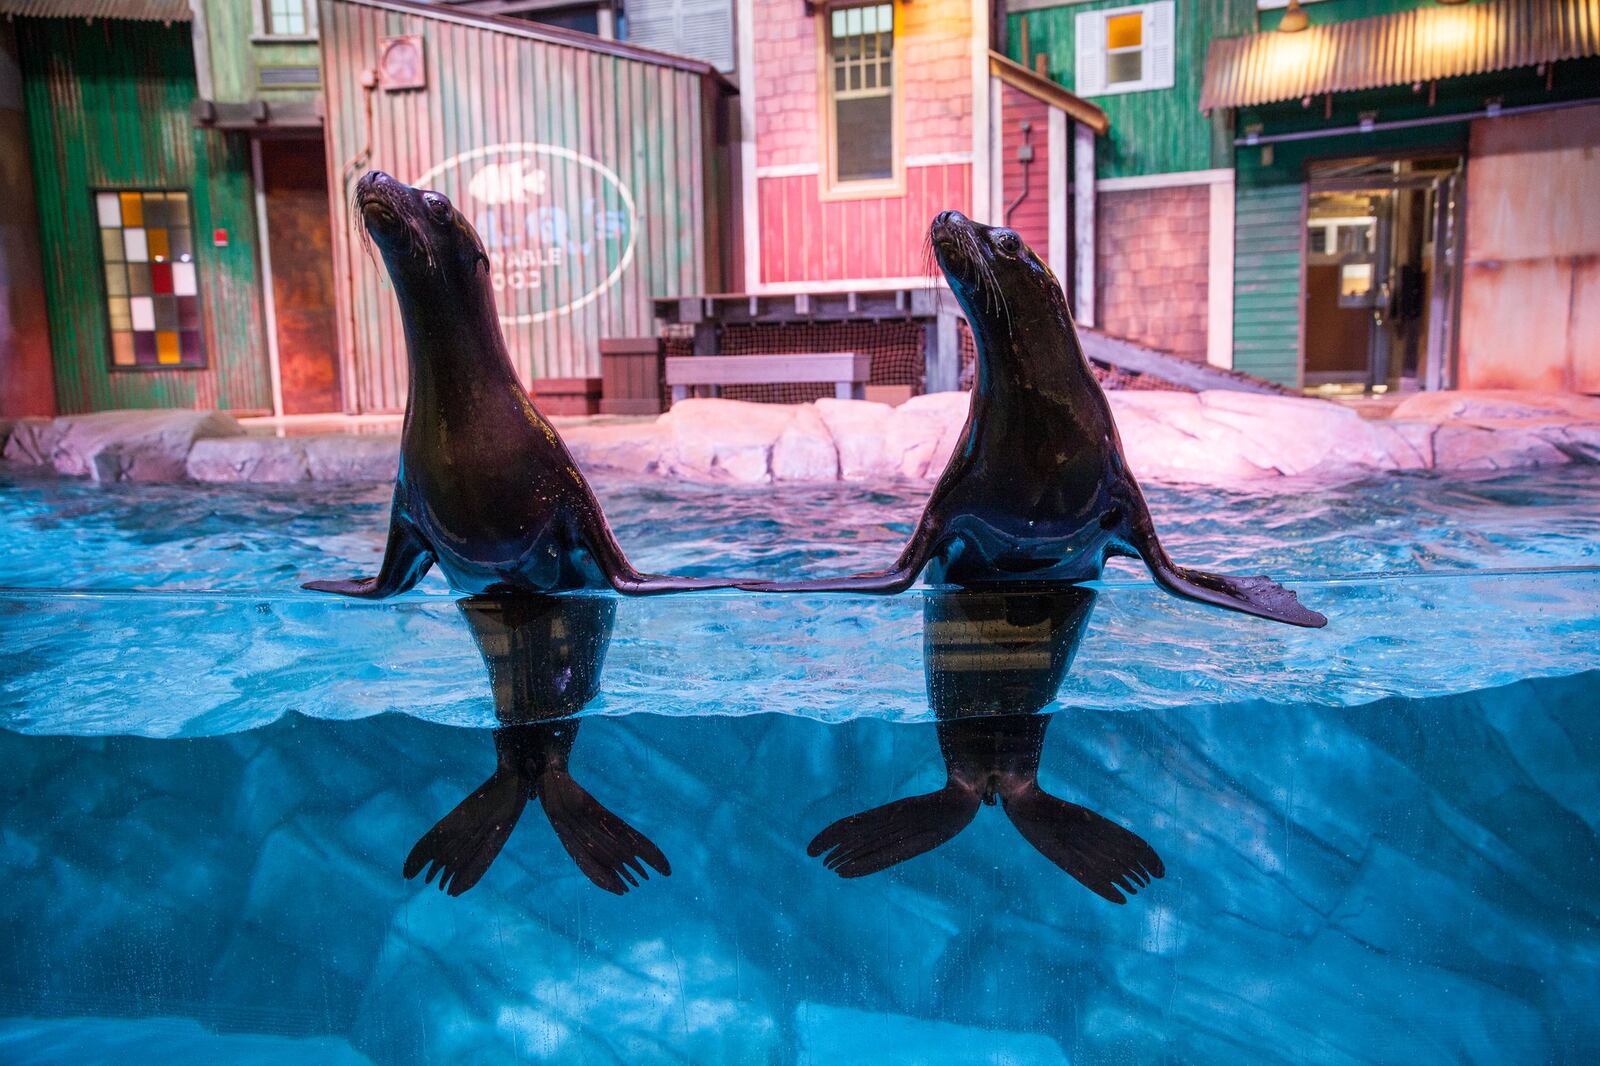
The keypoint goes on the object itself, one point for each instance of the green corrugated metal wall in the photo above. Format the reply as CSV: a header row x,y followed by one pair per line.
x,y
1156,131
108,106
1266,281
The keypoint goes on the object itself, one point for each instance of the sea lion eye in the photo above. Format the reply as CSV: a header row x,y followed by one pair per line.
x,y
1008,242
438,207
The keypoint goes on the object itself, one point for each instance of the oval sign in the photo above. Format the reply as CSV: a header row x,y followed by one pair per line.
x,y
558,225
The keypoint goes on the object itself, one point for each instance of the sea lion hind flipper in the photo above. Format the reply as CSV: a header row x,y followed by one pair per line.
x,y
1101,855
406,560
882,837
465,842
609,851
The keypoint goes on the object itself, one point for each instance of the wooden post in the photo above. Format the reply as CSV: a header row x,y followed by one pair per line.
x,y
1083,245
1056,152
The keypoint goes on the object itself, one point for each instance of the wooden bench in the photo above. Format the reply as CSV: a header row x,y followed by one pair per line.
x,y
848,371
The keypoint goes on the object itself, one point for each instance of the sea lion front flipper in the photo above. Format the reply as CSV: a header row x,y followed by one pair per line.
x,y
406,559
461,847
1260,596
609,851
1099,853
875,840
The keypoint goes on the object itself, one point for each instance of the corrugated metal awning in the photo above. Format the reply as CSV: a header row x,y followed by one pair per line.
x,y
1399,49
137,10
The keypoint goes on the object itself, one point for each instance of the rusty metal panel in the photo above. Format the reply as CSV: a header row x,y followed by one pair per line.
x,y
108,108
1398,49
582,164
137,10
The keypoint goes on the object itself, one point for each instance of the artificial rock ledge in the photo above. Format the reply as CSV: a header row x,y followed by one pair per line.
x,y
1216,437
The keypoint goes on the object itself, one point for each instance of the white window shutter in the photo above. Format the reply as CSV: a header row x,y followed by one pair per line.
x,y
1158,72
700,29
1089,35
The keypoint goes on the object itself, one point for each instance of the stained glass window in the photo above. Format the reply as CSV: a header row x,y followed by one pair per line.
x,y
152,292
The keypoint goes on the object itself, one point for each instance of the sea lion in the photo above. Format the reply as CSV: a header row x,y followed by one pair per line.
x,y
486,491
544,655
1037,488
993,660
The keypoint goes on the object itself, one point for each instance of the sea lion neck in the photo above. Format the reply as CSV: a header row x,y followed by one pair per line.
x,y
452,330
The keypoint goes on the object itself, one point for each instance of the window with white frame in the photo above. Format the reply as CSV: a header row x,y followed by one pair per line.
x,y
1124,49
286,18
858,56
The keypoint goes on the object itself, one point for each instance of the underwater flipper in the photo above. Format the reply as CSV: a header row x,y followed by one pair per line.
x,y
609,851
465,842
406,559
1099,853
875,840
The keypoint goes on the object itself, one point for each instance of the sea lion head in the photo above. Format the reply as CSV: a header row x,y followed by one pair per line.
x,y
998,279
420,233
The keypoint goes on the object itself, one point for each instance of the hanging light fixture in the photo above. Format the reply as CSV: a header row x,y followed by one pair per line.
x,y
1294,19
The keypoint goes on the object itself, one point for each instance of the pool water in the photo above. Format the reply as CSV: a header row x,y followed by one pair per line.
x,y
1378,841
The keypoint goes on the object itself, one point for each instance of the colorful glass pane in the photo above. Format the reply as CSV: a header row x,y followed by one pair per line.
x,y
167,348
111,245
119,313
161,278
144,348
132,209
188,312
166,312
156,241
183,280
189,345
122,348
108,209
116,280
133,246
143,311
138,279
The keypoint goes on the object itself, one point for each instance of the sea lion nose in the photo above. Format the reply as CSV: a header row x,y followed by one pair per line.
x,y
372,181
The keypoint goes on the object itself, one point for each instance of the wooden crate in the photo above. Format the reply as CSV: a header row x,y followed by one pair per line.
x,y
567,396
630,370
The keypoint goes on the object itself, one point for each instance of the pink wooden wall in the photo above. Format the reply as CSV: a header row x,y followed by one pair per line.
x,y
806,239
1031,219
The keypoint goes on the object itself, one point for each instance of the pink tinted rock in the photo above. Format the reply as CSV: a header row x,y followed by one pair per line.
x,y
723,440
922,431
1408,444
1166,437
633,447
1295,436
266,460
32,441
1459,446
805,451
1497,405
858,429
353,456
134,445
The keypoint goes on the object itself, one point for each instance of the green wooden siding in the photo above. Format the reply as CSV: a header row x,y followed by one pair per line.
x,y
236,58
108,107
1266,288
1156,131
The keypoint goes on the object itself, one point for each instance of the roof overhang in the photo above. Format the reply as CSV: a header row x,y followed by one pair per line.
x,y
136,10
1404,48
1046,91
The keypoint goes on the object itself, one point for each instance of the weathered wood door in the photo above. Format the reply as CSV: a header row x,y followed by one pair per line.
x,y
295,184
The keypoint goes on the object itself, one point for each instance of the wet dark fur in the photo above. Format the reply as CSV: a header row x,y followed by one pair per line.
x,y
1037,489
487,491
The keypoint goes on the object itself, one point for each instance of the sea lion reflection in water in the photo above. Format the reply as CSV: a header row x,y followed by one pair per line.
x,y
486,491
1037,489
993,659
544,655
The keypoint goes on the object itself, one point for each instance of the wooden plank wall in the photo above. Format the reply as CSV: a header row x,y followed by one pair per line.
x,y
1031,219
645,121
108,106
806,238
1156,131
1266,292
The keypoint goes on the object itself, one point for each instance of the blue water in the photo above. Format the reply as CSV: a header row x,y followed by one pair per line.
x,y
1379,840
